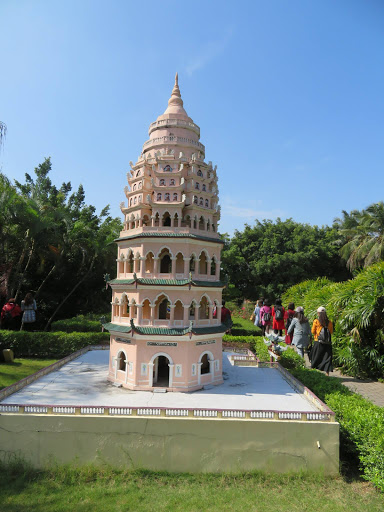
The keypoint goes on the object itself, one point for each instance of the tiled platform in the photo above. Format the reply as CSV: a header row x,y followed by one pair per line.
x,y
83,382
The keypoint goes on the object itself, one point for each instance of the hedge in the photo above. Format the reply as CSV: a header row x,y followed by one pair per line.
x,y
77,324
48,344
361,422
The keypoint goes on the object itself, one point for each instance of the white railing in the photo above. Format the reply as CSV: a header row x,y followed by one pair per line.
x,y
175,140
174,412
163,123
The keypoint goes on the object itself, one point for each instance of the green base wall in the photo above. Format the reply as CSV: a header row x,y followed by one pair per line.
x,y
172,444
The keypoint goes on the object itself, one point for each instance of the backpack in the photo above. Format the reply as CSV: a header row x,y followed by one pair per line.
x,y
324,336
266,317
279,315
289,321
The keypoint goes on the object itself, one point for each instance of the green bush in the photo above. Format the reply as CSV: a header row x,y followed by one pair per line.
x,y
79,323
48,344
361,422
291,359
255,343
244,327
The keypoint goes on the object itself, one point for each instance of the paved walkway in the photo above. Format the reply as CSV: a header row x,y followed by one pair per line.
x,y
370,389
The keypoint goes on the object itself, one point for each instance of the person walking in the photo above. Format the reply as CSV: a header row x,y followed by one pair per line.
x,y
28,306
256,313
278,313
322,329
10,315
226,318
300,331
288,317
266,317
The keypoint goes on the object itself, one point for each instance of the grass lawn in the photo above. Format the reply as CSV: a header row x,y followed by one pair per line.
x,y
20,368
104,489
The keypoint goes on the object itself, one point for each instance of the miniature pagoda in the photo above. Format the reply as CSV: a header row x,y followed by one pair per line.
x,y
166,329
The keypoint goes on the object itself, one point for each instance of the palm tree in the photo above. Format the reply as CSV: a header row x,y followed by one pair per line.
x,y
362,236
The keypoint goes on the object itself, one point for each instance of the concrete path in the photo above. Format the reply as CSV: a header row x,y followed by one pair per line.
x,y
370,389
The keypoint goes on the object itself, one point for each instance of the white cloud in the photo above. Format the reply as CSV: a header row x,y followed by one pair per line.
x,y
231,209
208,52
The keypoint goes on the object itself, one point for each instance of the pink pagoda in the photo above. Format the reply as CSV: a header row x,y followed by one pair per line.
x,y
166,329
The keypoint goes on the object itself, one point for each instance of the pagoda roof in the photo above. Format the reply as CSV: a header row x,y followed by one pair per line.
x,y
157,234
165,331
168,282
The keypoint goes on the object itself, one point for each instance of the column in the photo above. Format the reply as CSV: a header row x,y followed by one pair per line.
x,y
196,274
115,359
210,306
142,266
218,263
171,374
186,266
197,314
139,313
211,368
136,265
209,263
152,221
172,314
186,315
126,370
152,306
155,266
218,314
150,369
199,365
141,222
172,222
173,266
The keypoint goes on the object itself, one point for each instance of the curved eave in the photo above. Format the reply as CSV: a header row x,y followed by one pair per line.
x,y
165,331
170,235
167,282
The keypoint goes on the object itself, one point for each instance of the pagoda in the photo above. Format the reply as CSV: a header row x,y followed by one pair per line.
x,y
166,331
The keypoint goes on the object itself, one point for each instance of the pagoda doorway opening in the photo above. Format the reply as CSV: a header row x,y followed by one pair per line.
x,y
161,372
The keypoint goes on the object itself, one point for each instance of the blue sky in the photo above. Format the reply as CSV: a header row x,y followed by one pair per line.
x,y
288,95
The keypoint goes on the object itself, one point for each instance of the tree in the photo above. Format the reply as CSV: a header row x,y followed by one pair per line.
x,y
362,236
266,259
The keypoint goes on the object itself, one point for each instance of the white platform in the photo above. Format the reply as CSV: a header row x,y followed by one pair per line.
x,y
83,382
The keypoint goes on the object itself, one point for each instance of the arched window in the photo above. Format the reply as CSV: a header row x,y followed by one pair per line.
x,y
162,183
164,309
149,263
138,173
206,203
213,227
167,168
134,187
165,262
213,267
130,202
179,263
130,263
205,367
166,219
125,307
135,200
204,188
175,196
192,264
167,196
140,184
204,309
201,202
197,186
203,266
201,223
140,199
121,363
199,173
172,182
194,199
158,196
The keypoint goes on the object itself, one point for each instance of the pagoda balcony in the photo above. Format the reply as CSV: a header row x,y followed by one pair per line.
x,y
171,139
145,322
165,123
171,230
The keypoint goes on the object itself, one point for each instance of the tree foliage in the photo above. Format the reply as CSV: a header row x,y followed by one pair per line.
x,y
54,245
266,259
362,236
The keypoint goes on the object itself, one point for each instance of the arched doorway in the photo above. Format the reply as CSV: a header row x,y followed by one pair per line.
x,y
161,372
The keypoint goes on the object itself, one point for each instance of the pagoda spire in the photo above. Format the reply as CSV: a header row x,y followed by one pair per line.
x,y
175,103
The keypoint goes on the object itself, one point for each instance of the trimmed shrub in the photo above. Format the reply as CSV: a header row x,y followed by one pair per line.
x,y
291,359
361,422
79,323
48,344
